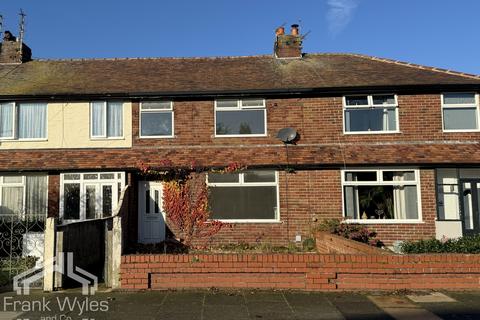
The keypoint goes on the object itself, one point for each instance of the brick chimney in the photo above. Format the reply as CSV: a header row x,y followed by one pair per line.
x,y
10,51
288,45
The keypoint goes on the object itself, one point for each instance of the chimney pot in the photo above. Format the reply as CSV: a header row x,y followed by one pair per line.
x,y
279,31
294,30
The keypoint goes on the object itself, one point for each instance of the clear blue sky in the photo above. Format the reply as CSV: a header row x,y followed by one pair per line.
x,y
442,33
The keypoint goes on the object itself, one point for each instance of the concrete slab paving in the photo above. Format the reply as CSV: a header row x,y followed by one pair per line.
x,y
432,297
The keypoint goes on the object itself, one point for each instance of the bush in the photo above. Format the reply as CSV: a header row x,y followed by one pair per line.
x,y
467,244
350,231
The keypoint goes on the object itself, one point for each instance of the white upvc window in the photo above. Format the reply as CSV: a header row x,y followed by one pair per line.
x,y
240,118
248,196
460,112
23,196
23,121
381,195
89,195
365,114
106,119
156,119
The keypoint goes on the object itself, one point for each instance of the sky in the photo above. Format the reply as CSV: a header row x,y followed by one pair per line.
x,y
441,33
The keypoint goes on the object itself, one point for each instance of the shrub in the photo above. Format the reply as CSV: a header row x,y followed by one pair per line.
x,y
350,231
467,244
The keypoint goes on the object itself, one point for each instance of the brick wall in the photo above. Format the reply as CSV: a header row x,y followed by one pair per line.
x,y
302,271
331,243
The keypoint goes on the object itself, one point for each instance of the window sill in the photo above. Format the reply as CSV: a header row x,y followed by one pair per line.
x,y
382,221
106,138
370,132
240,136
157,137
24,140
249,221
462,131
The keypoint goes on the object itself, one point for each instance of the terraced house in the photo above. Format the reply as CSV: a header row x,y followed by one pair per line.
x,y
384,143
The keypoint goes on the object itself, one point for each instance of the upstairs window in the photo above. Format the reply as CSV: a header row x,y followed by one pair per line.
x,y
460,111
106,119
25,121
371,113
156,119
246,117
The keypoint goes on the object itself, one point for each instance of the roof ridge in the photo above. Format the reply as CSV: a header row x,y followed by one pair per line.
x,y
152,58
416,66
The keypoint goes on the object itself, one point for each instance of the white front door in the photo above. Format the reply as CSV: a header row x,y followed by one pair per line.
x,y
151,218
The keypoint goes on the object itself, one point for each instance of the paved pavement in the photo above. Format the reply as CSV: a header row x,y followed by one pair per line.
x,y
239,305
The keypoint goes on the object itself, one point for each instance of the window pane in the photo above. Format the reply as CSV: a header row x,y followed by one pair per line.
x,y
147,201
106,201
115,119
252,103
12,200
90,202
227,103
459,98
156,123
32,121
98,119
156,201
460,118
240,122
6,120
259,176
361,176
448,205
12,179
243,202
357,100
156,105
107,176
398,176
377,119
36,195
71,176
384,99
90,176
223,177
71,201
351,209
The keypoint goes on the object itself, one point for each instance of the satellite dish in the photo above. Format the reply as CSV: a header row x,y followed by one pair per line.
x,y
287,135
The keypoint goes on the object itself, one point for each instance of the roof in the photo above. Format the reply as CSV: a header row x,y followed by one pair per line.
x,y
157,76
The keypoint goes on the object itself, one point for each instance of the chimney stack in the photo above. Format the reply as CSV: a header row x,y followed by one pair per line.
x,y
288,45
12,49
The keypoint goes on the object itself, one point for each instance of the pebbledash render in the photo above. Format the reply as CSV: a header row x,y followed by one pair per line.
x,y
388,144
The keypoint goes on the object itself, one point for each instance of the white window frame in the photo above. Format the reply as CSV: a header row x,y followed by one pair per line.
x,y
370,105
170,110
105,136
240,107
380,182
251,184
15,120
15,184
466,105
83,182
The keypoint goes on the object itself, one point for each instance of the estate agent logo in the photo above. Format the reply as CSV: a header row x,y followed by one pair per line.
x,y
23,281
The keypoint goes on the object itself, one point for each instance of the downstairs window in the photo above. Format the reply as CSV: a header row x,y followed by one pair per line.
x,y
243,197
381,194
90,195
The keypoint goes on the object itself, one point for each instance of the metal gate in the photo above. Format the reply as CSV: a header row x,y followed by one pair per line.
x,y
21,244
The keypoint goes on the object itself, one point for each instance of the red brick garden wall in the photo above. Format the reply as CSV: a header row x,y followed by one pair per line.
x,y
301,271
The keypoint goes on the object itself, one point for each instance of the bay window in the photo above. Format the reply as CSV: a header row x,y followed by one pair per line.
x,y
106,119
385,194
23,121
370,113
246,117
246,196
89,195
